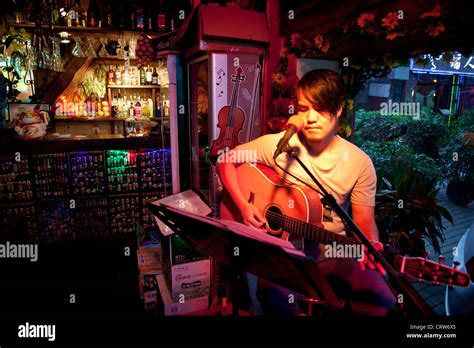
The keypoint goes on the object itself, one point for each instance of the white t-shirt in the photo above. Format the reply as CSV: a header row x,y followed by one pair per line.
x,y
350,178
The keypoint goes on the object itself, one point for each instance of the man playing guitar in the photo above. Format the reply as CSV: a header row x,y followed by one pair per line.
x,y
345,171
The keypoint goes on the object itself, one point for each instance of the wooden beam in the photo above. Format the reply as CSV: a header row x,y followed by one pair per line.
x,y
272,56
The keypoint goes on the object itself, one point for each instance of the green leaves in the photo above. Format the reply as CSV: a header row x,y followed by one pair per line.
x,y
409,205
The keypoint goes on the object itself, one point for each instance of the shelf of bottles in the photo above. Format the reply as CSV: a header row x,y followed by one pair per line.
x,y
87,171
155,182
135,93
15,181
124,212
51,176
56,221
85,194
122,171
19,216
91,217
121,15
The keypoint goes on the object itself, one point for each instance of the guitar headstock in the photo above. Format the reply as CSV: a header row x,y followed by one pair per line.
x,y
436,272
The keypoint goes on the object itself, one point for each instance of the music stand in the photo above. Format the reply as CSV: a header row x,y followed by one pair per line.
x,y
248,250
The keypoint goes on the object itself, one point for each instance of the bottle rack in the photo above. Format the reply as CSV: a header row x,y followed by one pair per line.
x,y
51,176
91,215
122,171
56,221
18,214
15,180
90,205
124,213
87,171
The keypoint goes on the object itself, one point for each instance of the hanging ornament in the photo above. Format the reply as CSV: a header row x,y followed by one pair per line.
x,y
144,51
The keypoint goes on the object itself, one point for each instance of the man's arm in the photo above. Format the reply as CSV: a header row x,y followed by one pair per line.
x,y
364,217
250,214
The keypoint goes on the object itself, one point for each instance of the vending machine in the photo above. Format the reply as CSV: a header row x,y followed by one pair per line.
x,y
224,104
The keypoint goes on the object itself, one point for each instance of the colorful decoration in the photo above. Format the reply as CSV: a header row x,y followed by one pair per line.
x,y
144,51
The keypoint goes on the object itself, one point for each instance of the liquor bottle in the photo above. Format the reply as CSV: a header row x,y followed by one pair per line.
x,y
131,110
150,107
142,76
158,106
155,77
111,76
109,23
138,109
126,77
133,16
161,18
118,76
93,14
121,16
140,17
149,76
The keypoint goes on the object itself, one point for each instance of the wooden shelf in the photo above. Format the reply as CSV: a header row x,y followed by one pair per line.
x,y
98,31
135,87
108,119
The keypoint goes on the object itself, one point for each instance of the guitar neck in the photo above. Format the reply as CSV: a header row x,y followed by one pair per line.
x,y
306,230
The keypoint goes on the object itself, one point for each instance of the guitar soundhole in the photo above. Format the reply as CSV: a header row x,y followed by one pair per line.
x,y
273,216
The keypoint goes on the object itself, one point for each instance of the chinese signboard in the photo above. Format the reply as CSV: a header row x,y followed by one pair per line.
x,y
459,64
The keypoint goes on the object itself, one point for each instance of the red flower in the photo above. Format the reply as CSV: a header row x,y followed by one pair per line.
x,y
435,31
318,40
435,13
392,36
326,46
295,39
364,18
390,21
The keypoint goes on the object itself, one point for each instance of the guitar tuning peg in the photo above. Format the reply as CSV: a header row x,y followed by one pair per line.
x,y
441,258
456,264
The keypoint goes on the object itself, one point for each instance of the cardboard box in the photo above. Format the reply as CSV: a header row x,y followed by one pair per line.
x,y
150,259
196,306
189,280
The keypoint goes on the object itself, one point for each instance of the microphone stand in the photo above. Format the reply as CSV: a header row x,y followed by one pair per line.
x,y
401,285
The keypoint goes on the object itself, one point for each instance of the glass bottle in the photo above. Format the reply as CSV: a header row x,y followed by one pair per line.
x,y
161,18
154,76
142,76
93,14
149,76
118,75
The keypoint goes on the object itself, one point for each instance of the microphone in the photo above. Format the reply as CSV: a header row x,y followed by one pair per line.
x,y
294,125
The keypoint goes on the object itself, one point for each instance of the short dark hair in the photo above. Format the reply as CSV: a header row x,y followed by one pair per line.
x,y
324,89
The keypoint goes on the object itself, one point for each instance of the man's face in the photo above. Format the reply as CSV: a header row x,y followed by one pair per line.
x,y
318,125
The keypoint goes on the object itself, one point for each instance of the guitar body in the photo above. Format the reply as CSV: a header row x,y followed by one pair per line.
x,y
272,195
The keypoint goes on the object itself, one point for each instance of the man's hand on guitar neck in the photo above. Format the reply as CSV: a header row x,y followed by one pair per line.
x,y
369,261
251,216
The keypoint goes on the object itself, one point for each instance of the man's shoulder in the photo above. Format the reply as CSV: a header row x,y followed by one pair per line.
x,y
353,150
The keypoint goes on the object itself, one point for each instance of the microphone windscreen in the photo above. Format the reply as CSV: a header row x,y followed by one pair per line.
x,y
296,121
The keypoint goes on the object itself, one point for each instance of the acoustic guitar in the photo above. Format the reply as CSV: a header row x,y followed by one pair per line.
x,y
296,212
